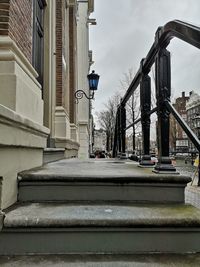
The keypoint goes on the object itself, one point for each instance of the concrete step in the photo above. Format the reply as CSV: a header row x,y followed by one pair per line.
x,y
50,228
94,181
53,154
156,260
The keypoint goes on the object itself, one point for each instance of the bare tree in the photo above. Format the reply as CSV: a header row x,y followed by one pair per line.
x,y
132,106
107,118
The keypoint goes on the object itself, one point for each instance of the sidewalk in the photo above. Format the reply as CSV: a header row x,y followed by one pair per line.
x,y
192,192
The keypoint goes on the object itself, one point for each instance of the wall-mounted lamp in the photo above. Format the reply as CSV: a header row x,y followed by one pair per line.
x,y
93,80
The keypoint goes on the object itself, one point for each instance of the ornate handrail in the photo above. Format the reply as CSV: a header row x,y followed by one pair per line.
x,y
176,28
159,55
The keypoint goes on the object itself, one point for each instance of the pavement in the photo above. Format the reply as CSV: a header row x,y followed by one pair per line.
x,y
192,191
192,195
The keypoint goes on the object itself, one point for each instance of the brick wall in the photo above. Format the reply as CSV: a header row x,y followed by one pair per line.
x,y
72,62
66,56
20,28
59,37
16,21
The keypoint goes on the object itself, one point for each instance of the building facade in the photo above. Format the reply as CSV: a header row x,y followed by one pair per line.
x,y
39,42
178,138
193,116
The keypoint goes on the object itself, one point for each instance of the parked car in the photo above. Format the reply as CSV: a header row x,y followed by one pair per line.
x,y
154,159
134,157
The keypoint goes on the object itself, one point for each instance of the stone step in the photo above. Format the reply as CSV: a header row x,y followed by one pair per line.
x,y
53,154
92,181
118,189
145,260
50,228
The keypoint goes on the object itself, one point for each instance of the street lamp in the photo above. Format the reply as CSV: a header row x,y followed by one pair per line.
x,y
93,80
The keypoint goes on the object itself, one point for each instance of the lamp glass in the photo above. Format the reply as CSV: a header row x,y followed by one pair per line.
x,y
93,80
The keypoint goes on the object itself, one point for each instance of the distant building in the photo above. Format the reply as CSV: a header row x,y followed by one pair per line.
x,y
178,138
193,115
99,140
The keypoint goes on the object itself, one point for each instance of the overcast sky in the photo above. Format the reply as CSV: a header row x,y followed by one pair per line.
x,y
124,34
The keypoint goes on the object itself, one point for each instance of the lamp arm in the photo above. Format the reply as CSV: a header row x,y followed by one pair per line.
x,y
80,93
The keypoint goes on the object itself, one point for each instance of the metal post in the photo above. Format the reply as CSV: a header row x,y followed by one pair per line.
x,y
163,93
145,104
119,130
115,143
123,128
198,183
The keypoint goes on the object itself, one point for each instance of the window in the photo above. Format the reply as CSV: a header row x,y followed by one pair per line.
x,y
38,37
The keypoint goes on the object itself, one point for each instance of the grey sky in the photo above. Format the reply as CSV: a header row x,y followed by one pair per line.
x,y
124,34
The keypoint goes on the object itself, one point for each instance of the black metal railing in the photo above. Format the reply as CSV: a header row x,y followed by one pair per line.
x,y
159,55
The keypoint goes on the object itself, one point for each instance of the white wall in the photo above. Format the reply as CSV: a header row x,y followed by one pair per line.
x,y
83,69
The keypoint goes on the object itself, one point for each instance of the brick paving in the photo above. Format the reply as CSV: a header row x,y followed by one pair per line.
x,y
192,192
192,195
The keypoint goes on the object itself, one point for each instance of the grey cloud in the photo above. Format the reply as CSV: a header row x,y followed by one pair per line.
x,y
124,34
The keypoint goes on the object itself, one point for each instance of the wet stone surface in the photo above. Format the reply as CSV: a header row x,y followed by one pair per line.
x,y
98,169
68,215
162,260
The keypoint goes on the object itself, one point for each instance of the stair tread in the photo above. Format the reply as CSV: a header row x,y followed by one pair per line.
x,y
143,260
98,171
107,215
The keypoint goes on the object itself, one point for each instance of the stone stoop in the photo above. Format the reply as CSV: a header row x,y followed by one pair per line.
x,y
99,207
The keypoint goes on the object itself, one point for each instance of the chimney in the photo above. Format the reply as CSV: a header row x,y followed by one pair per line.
x,y
183,94
190,93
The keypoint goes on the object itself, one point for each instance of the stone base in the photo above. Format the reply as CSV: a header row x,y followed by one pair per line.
x,y
53,154
71,147
21,148
13,161
62,124
146,161
164,166
74,133
83,140
20,91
